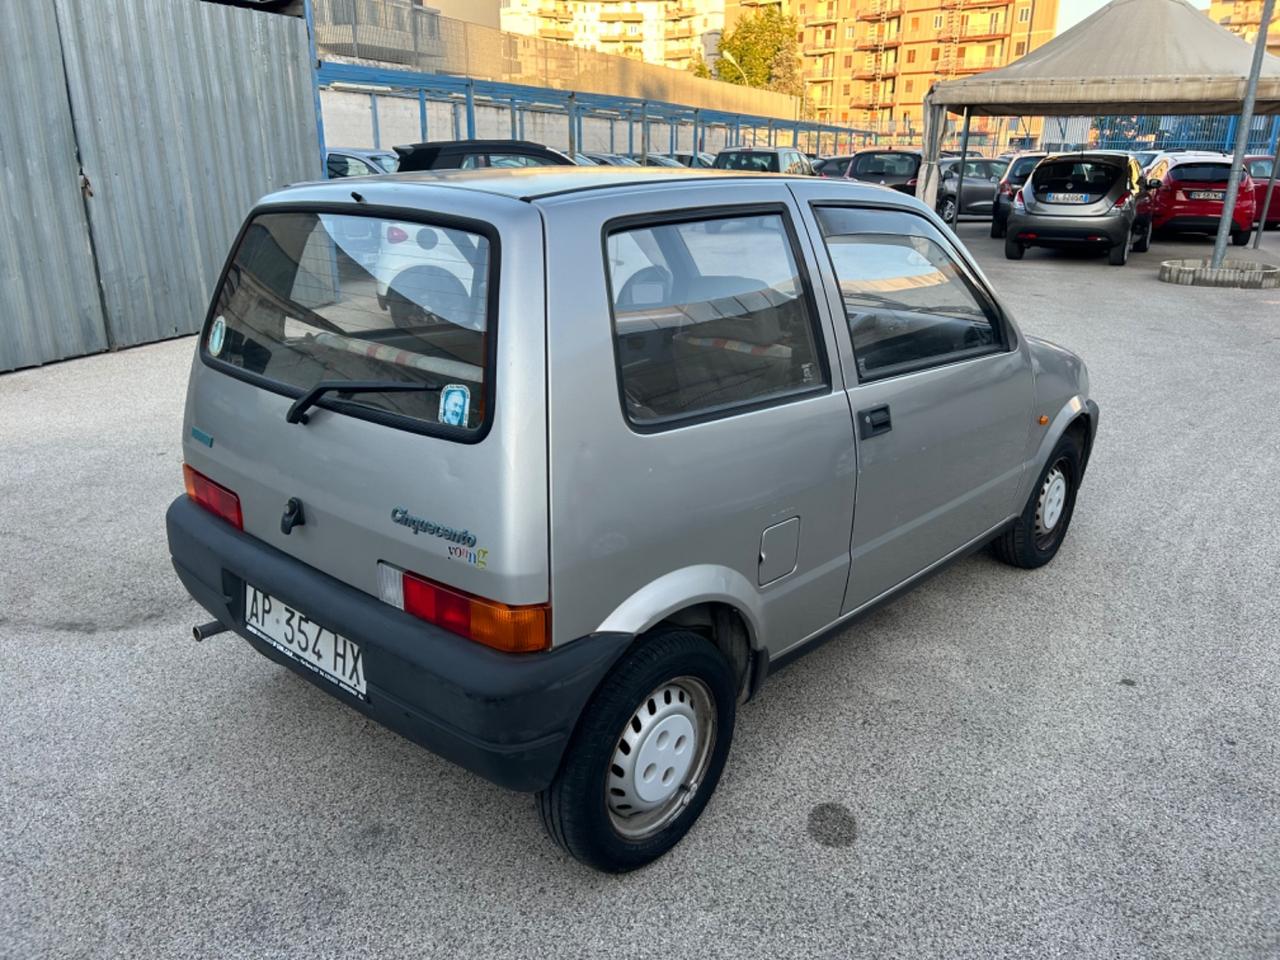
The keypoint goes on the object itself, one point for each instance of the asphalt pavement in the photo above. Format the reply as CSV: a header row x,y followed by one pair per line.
x,y
1080,761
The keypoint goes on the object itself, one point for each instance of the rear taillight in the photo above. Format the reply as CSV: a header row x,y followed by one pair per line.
x,y
522,629
397,235
214,497
1018,202
1006,189
912,182
1121,200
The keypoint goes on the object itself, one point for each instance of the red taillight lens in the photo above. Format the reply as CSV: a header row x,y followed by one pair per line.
x,y
511,629
214,497
1121,200
1006,189
396,235
1018,201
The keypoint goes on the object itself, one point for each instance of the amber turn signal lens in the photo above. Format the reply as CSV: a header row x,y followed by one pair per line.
x,y
524,629
1043,420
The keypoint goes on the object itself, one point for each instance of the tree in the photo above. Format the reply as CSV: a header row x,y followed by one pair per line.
x,y
699,67
761,51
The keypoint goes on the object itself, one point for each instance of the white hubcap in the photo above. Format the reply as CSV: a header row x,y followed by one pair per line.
x,y
660,757
1053,495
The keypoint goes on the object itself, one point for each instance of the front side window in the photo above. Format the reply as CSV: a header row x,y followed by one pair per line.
x,y
710,315
313,297
907,302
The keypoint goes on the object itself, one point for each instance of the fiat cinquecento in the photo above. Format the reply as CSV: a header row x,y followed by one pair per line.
x,y
547,470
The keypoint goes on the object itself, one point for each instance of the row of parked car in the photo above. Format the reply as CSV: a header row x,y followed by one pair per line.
x,y
1113,200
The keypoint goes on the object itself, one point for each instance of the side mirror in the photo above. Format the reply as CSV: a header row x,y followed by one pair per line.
x,y
1154,184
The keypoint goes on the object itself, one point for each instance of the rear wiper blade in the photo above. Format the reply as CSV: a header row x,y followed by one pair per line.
x,y
298,410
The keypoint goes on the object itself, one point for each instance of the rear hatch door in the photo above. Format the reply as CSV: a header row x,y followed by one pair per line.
x,y
443,472
1075,187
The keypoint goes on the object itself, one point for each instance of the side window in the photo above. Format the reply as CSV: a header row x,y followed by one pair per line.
x,y
908,304
339,166
701,330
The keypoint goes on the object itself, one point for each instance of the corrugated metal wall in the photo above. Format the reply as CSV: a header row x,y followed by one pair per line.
x,y
49,302
184,114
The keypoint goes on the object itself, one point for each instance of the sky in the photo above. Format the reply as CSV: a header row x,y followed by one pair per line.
x,y
1071,12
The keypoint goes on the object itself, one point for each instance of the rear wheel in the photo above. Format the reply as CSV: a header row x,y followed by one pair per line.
x,y
1241,237
1034,538
1143,243
646,756
947,210
1013,250
1118,255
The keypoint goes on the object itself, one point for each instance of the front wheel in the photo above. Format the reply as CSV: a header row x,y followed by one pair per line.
x,y
947,210
997,229
646,756
1034,538
1240,238
1143,243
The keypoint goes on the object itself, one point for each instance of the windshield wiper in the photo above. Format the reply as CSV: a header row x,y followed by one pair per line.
x,y
298,411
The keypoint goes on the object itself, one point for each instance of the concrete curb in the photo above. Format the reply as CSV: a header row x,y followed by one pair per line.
x,y
1245,274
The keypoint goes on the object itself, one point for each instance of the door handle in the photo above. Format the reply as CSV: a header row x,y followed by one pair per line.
x,y
874,421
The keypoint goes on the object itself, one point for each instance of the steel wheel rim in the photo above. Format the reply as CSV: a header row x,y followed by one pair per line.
x,y
652,775
948,210
1051,503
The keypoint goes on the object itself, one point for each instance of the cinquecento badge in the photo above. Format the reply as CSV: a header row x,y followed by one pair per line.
x,y
217,335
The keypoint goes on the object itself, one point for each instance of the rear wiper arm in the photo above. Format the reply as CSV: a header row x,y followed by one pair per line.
x,y
298,411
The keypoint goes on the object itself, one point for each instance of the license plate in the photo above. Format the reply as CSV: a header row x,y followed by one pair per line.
x,y
296,635
1207,194
1067,197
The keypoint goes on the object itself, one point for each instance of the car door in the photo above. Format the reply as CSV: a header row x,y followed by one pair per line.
x,y
980,181
939,384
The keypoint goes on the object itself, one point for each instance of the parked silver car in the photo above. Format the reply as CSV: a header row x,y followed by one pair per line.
x,y
1095,199
598,469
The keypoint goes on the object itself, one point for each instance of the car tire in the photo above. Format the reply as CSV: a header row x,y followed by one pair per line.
x,y
947,211
1034,538
1118,255
1013,250
1240,238
673,686
997,229
1143,243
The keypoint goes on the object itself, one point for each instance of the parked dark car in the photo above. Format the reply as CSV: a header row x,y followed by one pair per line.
x,y
834,166
699,159
611,160
764,160
1015,175
980,180
1187,193
655,160
478,154
899,169
1082,199
358,162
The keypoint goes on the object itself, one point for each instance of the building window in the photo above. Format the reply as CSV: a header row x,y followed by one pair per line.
x,y
910,85
1019,48
848,62
937,22
933,54
911,55
848,32
846,89
1024,14
915,23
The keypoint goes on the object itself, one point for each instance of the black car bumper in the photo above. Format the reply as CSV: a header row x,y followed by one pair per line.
x,y
507,717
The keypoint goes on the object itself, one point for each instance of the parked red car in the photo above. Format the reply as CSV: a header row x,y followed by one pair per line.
x,y
1186,196
1259,168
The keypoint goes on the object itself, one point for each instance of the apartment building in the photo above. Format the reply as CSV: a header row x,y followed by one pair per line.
x,y
667,32
1244,17
869,63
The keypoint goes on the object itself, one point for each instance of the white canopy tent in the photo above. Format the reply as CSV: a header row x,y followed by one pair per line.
x,y
1130,57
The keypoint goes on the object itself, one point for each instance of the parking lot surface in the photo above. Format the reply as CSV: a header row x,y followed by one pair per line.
x,y
1078,761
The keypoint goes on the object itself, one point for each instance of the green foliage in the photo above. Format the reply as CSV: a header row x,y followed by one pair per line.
x,y
764,53
699,68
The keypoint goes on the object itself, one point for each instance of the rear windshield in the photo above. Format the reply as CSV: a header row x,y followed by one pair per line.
x,y
1021,168
885,165
1076,176
314,297
744,160
1201,172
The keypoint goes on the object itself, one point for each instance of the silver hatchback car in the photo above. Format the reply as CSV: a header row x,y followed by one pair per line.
x,y
612,447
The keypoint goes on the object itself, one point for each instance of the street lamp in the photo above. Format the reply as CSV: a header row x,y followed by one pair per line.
x,y
726,55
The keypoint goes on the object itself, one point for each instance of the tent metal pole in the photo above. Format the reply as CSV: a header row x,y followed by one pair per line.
x,y
964,153
1271,184
1242,137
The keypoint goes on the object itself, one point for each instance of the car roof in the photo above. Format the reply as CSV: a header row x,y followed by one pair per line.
x,y
531,184
361,151
764,149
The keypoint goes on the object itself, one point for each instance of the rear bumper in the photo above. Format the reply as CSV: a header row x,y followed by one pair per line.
x,y
506,717
1049,231
1191,223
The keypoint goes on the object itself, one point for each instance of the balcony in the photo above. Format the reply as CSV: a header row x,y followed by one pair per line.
x,y
880,11
984,31
823,21
684,32
978,66
680,13
878,42
871,73
974,4
817,51
555,33
621,16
